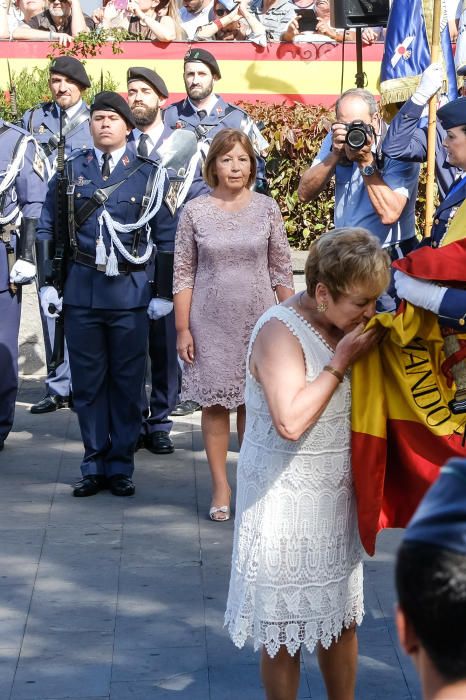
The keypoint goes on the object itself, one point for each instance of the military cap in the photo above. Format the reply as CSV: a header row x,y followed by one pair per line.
x,y
453,113
203,56
148,76
113,102
461,71
440,519
71,68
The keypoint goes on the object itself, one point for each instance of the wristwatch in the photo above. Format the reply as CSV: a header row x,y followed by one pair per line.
x,y
369,170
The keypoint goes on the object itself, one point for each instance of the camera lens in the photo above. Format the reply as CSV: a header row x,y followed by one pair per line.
x,y
356,137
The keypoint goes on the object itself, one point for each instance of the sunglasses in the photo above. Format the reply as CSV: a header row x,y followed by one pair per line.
x,y
221,12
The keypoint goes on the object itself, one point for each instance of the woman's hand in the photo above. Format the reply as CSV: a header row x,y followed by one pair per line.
x,y
185,346
355,344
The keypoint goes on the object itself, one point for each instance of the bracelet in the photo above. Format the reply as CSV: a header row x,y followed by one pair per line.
x,y
336,373
218,23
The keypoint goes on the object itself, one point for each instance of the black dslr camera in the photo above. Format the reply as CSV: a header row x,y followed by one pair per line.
x,y
358,134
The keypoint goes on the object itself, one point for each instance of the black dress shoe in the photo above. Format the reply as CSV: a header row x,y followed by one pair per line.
x,y
160,443
121,485
2,445
90,485
50,402
184,408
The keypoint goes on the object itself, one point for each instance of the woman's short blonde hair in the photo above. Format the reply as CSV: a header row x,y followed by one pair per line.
x,y
223,143
344,258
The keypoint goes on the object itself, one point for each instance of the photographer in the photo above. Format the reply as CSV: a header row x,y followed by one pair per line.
x,y
371,191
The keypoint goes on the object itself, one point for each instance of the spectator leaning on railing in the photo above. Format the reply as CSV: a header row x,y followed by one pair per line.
x,y
232,21
278,17
62,16
144,19
195,14
14,18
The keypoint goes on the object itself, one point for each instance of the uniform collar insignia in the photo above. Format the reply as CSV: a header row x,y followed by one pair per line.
x,y
125,160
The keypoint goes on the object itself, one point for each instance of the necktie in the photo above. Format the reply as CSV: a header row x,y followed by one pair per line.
x,y
142,146
201,113
106,165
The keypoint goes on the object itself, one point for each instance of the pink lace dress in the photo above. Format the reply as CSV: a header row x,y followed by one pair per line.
x,y
232,262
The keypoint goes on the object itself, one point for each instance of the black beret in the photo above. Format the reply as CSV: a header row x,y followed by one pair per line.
x,y
113,102
461,71
72,68
453,113
440,519
203,56
148,76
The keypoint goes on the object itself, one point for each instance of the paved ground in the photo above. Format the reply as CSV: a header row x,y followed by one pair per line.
x,y
120,599
123,599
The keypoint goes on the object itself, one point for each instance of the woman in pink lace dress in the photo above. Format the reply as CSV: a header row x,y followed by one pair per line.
x,y
232,262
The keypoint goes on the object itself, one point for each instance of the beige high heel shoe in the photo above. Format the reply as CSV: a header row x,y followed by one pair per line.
x,y
220,514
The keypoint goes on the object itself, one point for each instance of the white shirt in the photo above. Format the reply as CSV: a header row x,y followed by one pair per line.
x,y
190,22
115,157
72,111
154,135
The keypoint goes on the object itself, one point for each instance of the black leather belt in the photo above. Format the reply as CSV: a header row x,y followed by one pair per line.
x,y
88,260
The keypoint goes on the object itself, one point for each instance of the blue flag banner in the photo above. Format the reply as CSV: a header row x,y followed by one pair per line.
x,y
407,51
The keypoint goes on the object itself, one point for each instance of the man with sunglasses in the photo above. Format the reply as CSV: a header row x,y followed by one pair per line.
x,y
65,16
371,191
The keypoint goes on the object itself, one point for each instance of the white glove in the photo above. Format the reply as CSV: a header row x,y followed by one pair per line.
x,y
431,82
427,295
49,295
158,308
22,272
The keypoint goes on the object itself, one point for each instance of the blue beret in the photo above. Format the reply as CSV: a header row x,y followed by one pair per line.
x,y
440,519
203,56
108,101
148,76
453,113
71,68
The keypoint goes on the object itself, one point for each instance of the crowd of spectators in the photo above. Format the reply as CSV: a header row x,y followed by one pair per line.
x,y
258,21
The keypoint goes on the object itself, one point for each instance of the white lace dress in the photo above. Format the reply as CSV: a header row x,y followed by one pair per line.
x,y
296,575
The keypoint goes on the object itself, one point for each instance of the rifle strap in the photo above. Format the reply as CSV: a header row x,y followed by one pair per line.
x,y
101,195
72,125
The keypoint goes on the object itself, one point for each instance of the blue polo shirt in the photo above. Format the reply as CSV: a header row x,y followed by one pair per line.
x,y
353,206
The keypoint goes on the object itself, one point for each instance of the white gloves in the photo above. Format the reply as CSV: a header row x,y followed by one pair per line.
x,y
49,295
22,272
427,295
159,308
431,82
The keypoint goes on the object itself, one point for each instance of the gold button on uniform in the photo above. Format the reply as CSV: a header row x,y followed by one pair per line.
x,y
133,199
461,322
436,222
434,244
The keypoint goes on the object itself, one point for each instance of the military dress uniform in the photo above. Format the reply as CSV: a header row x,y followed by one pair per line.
x,y
182,115
43,122
22,192
105,303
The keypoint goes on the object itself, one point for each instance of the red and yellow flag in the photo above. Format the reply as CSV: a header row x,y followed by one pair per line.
x,y
403,429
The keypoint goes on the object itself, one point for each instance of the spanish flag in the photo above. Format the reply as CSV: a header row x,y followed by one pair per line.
x,y
403,428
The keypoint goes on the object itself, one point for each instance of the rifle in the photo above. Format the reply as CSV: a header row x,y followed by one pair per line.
x,y
61,239
13,101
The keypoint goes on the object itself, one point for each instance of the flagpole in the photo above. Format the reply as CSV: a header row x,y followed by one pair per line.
x,y
432,124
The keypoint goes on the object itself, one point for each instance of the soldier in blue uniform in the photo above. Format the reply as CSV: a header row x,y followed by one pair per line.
x,y
22,192
147,92
119,212
406,138
68,81
447,302
205,114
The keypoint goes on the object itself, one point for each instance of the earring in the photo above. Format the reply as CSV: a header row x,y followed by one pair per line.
x,y
322,307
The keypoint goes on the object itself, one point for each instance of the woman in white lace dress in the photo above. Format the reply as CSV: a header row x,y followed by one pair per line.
x,y
296,573
232,260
